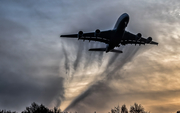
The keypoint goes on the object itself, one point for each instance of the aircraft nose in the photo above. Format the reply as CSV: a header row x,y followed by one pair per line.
x,y
125,14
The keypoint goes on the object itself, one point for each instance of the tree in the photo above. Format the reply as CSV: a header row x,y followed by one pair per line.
x,y
56,110
4,111
115,110
35,108
124,109
137,108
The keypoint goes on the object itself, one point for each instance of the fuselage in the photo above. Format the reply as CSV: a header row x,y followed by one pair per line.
x,y
118,32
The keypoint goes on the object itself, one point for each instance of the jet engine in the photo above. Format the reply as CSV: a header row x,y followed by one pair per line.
x,y
97,32
80,34
139,35
149,39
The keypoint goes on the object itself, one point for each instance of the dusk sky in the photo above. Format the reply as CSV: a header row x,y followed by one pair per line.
x,y
36,65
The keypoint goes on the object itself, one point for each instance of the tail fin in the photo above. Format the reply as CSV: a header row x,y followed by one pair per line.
x,y
104,49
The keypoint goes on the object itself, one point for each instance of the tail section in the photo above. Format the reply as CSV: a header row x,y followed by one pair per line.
x,y
104,49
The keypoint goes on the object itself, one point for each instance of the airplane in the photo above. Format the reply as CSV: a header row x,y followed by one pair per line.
x,y
113,38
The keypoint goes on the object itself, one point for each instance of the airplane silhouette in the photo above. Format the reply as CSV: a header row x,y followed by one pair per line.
x,y
113,38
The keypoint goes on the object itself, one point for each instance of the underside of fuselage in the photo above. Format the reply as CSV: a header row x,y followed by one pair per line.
x,y
118,33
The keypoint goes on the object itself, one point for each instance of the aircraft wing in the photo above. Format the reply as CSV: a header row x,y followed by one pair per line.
x,y
102,36
130,38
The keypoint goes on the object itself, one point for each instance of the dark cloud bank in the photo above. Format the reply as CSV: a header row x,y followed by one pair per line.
x,y
29,69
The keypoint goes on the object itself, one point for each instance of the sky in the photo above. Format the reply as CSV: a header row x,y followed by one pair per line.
x,y
36,65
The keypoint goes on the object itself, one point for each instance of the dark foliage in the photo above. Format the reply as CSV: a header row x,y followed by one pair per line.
x,y
124,109
133,109
35,108
115,110
137,109
4,111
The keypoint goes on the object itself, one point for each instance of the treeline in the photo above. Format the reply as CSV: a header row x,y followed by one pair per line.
x,y
35,108
133,109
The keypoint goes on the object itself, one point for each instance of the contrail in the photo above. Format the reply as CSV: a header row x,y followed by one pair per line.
x,y
100,57
108,74
112,59
78,56
66,63
91,55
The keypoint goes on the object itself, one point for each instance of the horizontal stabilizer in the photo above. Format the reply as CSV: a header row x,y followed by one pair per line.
x,y
104,49
97,49
116,51
155,43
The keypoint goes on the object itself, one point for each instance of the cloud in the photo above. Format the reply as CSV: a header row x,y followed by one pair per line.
x,y
142,72
27,90
29,68
33,58
103,86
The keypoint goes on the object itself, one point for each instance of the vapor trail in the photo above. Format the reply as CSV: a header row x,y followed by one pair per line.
x,y
77,61
108,74
90,55
66,63
78,56
128,57
112,59
100,57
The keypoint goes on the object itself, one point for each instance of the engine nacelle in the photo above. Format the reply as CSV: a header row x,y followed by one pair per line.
x,y
97,32
149,39
139,35
80,34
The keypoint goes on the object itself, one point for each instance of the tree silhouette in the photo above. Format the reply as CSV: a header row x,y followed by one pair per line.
x,y
124,109
4,111
137,109
35,108
115,110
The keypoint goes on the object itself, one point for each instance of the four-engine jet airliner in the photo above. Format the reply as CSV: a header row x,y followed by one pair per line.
x,y
113,38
